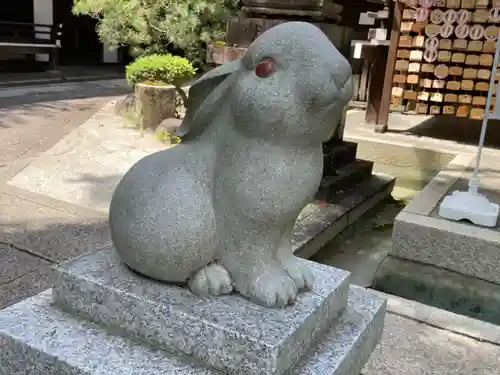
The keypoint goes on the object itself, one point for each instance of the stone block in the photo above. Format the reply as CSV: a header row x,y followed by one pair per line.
x,y
36,338
456,246
228,333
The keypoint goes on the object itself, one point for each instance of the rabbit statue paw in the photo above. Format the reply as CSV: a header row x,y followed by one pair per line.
x,y
299,272
268,287
212,280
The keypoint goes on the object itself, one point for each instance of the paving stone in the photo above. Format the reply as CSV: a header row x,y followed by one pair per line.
x,y
413,348
27,128
14,263
85,166
26,286
49,233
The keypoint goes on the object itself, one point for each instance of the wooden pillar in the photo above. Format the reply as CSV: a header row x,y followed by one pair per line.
x,y
383,114
377,56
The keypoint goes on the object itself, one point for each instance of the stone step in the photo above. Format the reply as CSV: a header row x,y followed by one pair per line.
x,y
320,222
244,338
344,178
337,155
37,338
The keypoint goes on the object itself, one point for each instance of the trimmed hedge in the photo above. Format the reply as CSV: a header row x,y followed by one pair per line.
x,y
164,69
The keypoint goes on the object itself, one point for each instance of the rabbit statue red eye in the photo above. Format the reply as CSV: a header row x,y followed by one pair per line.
x,y
265,68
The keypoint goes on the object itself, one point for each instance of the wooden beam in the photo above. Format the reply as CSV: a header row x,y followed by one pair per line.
x,y
377,57
382,118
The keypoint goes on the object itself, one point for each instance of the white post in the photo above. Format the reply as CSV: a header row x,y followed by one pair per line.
x,y
43,14
109,55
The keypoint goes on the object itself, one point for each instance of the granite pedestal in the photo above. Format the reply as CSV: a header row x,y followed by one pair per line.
x,y
102,318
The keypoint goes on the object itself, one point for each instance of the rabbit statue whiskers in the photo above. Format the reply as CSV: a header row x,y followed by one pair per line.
x,y
217,210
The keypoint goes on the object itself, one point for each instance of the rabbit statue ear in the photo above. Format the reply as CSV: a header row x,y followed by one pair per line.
x,y
204,96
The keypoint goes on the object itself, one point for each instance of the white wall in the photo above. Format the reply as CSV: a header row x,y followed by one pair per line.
x,y
43,13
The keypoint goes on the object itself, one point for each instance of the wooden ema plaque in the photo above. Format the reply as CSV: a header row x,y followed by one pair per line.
x,y
445,56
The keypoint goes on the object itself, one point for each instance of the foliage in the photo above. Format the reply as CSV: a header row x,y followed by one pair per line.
x,y
161,69
155,26
167,69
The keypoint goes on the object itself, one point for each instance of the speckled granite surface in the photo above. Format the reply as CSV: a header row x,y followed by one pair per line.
x,y
227,333
38,339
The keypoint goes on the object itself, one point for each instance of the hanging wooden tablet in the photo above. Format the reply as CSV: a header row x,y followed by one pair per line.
x,y
406,26
481,16
432,30
438,84
489,46
422,108
449,110
397,91
460,44
444,56
479,101
412,79
402,65
482,86
426,83
475,46
436,97
423,96
466,4
399,78
458,58
484,74
409,14
410,95
451,98
476,113
465,99
418,27
418,41
472,60
416,55
427,68
453,85
405,41
482,3
414,67
456,71
445,44
467,85
486,59
463,111
403,54
435,110
470,73
491,33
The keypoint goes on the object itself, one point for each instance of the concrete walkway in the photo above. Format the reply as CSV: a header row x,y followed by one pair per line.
x,y
62,153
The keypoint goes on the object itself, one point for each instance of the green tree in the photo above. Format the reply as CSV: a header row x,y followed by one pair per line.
x,y
151,26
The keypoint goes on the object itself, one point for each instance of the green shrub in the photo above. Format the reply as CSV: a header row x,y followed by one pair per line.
x,y
160,69
164,69
153,26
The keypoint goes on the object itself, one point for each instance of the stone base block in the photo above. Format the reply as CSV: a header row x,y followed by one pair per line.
x,y
228,333
36,338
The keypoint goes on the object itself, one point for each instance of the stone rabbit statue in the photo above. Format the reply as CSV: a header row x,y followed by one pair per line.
x,y
217,210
